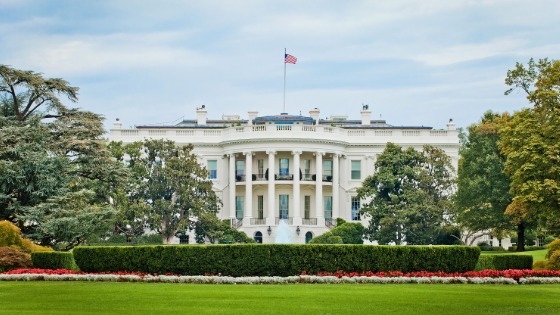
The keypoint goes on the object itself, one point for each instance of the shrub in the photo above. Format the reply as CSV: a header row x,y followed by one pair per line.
x,y
10,236
540,265
54,260
274,259
327,238
504,262
492,249
552,247
554,260
11,258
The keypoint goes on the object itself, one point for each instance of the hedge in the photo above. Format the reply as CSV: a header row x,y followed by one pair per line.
x,y
274,259
504,262
53,260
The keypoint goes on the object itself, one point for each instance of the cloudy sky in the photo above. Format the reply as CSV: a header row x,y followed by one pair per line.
x,y
413,62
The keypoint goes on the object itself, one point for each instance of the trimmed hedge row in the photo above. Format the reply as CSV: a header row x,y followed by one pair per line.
x,y
274,259
54,260
504,262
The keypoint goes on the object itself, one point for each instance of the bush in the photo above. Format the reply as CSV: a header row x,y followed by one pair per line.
x,y
11,258
552,247
554,260
492,249
274,259
10,236
504,262
54,260
540,265
327,238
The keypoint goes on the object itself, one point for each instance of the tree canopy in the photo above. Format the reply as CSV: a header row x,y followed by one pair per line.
x,y
482,184
167,186
408,196
531,143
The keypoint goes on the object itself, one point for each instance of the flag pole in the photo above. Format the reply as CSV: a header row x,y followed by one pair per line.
x,y
284,80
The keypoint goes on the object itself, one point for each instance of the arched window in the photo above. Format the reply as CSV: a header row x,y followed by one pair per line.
x,y
308,237
258,237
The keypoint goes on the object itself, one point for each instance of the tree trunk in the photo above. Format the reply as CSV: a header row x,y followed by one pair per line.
x,y
521,237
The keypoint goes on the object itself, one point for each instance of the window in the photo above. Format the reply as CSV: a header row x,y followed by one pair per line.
x,y
258,237
308,237
183,239
355,209
239,206
307,207
284,167
260,206
260,168
239,168
356,170
284,212
328,206
327,169
306,169
212,169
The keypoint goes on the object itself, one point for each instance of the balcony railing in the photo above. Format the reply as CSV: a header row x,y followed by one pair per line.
x,y
284,176
288,220
330,223
239,178
309,221
235,223
257,221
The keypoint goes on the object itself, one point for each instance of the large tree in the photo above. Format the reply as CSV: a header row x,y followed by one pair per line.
x,y
25,94
408,197
482,183
46,161
531,143
170,182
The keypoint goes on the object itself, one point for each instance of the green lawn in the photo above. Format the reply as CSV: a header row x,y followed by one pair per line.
x,y
537,254
159,298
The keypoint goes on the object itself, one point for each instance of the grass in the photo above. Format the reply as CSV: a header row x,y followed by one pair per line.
x,y
159,298
537,254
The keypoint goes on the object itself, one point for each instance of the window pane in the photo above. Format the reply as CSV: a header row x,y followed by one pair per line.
x,y
356,170
212,169
328,207
284,167
283,206
327,168
260,206
239,168
355,208
239,206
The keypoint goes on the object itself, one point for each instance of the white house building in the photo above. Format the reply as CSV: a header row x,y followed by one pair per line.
x,y
301,169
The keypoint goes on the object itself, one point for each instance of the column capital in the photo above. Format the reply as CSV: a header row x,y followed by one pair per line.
x,y
271,152
298,152
248,153
230,155
319,153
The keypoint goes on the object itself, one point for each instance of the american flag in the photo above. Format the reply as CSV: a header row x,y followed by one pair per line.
x,y
289,59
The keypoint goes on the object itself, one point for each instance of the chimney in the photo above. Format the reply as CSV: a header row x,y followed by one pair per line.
x,y
201,115
252,115
366,115
314,113
451,125
117,124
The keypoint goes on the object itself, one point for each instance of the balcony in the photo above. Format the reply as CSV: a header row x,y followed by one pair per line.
x,y
330,223
284,176
288,220
236,223
309,221
257,221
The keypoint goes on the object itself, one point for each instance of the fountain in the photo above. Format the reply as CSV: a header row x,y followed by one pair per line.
x,y
283,234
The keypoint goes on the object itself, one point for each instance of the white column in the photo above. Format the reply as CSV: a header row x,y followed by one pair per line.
x,y
271,209
232,186
297,201
319,211
335,186
248,188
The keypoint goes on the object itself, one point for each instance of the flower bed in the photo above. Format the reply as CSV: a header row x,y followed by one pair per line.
x,y
471,277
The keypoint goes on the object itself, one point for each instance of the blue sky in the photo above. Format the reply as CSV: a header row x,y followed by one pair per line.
x,y
413,62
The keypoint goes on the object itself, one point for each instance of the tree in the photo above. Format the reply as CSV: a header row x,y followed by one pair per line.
x,y
482,185
170,181
531,143
209,228
24,92
45,161
408,197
